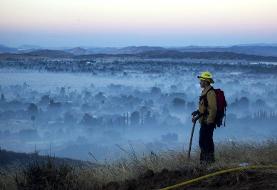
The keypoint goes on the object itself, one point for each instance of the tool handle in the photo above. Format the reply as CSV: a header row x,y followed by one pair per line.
x,y
191,137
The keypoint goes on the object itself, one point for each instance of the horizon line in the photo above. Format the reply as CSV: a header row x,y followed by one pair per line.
x,y
145,45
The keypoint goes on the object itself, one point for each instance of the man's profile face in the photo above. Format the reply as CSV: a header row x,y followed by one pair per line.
x,y
202,83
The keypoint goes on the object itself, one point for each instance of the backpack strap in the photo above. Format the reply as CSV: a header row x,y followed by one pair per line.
x,y
204,97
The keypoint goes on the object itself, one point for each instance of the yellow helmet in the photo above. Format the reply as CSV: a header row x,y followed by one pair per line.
x,y
207,76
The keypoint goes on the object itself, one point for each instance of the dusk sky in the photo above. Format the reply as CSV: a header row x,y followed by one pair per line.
x,y
117,23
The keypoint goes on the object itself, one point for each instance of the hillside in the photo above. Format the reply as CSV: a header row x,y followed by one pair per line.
x,y
11,159
156,171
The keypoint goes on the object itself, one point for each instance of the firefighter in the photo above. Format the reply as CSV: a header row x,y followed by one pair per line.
x,y
207,115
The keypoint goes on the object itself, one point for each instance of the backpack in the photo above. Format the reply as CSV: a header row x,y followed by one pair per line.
x,y
221,105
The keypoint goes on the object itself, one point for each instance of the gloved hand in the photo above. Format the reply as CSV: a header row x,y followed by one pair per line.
x,y
195,116
195,113
194,119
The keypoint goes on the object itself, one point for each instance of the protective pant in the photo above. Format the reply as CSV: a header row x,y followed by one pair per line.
x,y
206,143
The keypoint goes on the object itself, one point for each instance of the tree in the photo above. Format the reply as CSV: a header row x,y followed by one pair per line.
x,y
179,102
90,120
32,109
69,118
3,99
135,118
45,100
156,91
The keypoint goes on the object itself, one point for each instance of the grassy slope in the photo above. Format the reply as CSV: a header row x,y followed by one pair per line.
x,y
160,170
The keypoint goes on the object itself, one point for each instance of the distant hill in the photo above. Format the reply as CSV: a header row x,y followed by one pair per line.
x,y
154,54
27,48
50,53
255,50
124,50
250,49
10,158
139,49
205,55
5,49
78,51
263,50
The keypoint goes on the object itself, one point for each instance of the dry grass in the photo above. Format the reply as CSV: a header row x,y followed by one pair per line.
x,y
228,155
7,180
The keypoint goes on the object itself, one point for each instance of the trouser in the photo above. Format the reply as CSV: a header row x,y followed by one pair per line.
x,y
206,143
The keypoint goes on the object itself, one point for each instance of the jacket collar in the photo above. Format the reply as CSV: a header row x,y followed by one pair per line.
x,y
206,90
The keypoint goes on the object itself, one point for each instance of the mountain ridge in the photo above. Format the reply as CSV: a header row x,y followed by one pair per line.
x,y
152,54
261,49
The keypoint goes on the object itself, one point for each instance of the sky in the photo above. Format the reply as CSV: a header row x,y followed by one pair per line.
x,y
118,23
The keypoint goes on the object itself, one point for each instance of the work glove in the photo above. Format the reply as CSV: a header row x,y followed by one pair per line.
x,y
194,119
195,116
195,113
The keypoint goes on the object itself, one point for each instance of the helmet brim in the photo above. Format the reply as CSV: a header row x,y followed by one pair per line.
x,y
206,79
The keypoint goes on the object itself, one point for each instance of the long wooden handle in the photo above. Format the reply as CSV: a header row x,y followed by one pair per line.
x,y
191,137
